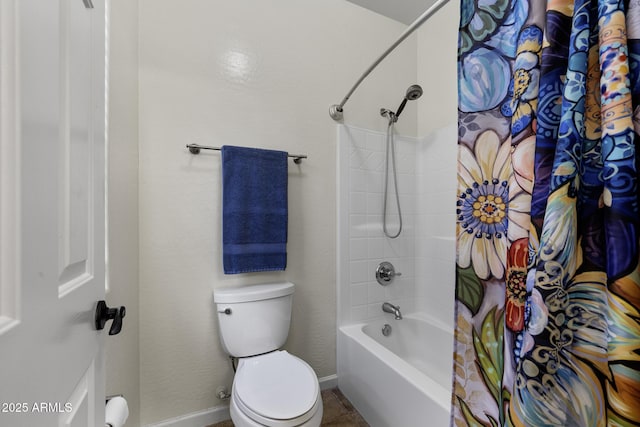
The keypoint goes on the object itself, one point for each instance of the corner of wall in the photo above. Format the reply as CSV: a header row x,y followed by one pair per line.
x,y
122,350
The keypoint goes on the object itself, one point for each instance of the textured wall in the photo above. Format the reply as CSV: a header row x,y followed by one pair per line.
x,y
122,351
437,64
252,73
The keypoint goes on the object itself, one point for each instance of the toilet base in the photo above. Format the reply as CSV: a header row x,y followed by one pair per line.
x,y
241,420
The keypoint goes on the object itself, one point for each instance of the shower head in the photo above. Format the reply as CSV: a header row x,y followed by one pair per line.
x,y
414,92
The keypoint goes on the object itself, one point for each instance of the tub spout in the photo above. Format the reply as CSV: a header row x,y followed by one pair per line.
x,y
393,309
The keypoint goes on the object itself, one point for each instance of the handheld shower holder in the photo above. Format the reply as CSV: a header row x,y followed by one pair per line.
x,y
384,112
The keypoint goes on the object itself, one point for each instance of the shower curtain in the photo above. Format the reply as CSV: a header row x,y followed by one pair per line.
x,y
548,279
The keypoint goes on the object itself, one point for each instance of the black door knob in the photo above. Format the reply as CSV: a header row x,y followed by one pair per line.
x,y
104,313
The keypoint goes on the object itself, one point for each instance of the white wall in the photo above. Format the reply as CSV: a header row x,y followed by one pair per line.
x,y
437,68
122,351
251,73
437,164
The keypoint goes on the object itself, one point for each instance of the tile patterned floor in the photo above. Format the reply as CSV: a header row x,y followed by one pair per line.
x,y
337,412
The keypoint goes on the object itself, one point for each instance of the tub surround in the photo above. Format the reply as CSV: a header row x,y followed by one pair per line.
x,y
362,244
424,252
404,378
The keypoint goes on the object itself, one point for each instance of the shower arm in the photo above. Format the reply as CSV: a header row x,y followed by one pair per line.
x,y
335,111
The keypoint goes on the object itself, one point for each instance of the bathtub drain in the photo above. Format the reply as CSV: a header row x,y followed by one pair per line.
x,y
386,330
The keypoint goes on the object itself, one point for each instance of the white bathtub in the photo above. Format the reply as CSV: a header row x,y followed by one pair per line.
x,y
402,380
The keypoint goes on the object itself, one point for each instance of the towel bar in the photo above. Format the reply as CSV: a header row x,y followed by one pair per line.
x,y
195,149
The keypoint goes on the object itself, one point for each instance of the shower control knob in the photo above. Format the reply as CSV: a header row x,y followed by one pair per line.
x,y
385,273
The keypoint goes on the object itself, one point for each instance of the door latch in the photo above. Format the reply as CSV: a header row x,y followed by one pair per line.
x,y
104,313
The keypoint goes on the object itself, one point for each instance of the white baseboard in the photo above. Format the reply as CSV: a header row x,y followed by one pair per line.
x,y
221,413
197,419
330,381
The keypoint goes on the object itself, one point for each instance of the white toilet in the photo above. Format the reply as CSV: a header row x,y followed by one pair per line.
x,y
271,387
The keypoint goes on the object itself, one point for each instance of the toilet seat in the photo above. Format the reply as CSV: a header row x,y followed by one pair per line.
x,y
276,389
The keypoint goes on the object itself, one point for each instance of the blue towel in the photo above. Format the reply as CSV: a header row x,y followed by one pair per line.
x,y
254,209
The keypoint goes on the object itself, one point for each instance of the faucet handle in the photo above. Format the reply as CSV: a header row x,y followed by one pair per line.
x,y
385,273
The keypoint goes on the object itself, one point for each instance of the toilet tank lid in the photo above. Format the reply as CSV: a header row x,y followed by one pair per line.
x,y
247,293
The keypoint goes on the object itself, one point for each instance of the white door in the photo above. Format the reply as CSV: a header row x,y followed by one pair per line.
x,y
52,170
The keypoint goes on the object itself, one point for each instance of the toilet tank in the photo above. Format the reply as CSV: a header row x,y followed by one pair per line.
x,y
254,319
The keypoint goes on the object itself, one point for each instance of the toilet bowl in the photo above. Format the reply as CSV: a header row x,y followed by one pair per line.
x,y
275,389
271,387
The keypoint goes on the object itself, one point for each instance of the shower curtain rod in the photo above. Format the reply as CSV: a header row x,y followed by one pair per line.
x,y
335,111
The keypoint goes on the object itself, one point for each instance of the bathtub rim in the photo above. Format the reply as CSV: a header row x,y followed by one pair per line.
x,y
439,394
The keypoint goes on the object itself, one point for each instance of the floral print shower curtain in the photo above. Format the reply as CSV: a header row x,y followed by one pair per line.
x,y
548,278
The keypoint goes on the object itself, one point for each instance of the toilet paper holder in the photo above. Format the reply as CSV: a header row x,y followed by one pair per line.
x,y
116,411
